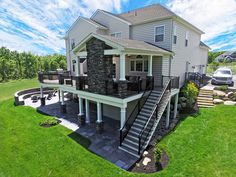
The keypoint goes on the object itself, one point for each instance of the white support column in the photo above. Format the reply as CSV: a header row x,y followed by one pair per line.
x,y
77,67
99,112
62,97
168,115
87,116
81,107
41,91
122,67
122,117
176,104
149,65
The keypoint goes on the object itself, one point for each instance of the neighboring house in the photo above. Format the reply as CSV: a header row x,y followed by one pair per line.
x,y
128,67
228,56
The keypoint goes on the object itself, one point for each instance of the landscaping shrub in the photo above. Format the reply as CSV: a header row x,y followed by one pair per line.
x,y
49,122
157,153
190,92
223,87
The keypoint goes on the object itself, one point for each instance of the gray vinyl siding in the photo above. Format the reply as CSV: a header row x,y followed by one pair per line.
x,y
146,32
183,54
79,31
113,24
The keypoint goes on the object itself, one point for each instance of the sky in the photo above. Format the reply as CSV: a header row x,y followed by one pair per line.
x,y
38,26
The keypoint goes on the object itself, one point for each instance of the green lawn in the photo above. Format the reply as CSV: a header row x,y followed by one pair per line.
x,y
9,88
202,146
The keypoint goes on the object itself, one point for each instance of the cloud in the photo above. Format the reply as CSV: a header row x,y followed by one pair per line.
x,y
39,25
215,17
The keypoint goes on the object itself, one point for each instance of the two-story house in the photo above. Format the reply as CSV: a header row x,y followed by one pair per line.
x,y
129,66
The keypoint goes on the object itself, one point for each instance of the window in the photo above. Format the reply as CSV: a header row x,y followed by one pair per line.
x,y
175,35
72,43
159,33
132,65
186,39
117,34
145,66
139,65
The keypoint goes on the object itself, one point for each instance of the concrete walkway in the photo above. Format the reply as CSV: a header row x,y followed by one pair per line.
x,y
105,144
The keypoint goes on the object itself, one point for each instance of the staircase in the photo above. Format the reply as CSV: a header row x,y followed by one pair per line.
x,y
146,121
205,98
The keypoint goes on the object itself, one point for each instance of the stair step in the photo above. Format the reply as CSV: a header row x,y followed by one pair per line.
x,y
133,138
140,121
204,101
205,106
144,118
130,146
129,151
204,98
147,107
135,128
146,110
150,104
155,94
144,114
157,91
131,143
151,101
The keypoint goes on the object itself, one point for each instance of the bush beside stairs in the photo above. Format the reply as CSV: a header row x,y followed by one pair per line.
x,y
205,98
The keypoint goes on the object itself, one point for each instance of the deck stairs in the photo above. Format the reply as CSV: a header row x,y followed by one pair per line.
x,y
205,98
145,123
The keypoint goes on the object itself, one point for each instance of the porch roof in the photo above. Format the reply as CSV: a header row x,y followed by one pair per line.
x,y
124,45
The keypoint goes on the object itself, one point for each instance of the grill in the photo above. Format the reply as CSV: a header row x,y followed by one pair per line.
x,y
221,78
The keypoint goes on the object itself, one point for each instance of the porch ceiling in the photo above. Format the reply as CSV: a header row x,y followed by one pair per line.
x,y
124,45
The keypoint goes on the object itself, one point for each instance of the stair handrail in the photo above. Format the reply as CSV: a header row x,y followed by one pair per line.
x,y
149,88
166,88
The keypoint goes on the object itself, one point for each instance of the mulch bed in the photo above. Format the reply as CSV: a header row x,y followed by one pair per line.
x,y
151,167
46,125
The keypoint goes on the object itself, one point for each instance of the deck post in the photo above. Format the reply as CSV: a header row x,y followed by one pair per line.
x,y
99,122
149,65
168,115
81,118
63,105
122,117
176,105
87,109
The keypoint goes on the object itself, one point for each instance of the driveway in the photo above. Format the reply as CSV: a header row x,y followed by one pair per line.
x,y
234,79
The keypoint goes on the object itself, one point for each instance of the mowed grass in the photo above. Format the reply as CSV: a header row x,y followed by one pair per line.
x,y
200,146
8,89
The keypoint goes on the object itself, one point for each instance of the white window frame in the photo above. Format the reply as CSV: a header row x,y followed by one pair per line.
x,y
159,34
135,60
72,41
115,34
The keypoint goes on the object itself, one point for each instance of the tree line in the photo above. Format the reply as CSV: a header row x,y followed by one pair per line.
x,y
25,65
212,56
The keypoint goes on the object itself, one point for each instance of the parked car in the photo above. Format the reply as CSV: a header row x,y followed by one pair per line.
x,y
223,76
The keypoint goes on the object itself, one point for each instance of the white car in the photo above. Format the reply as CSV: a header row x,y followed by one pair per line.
x,y
223,76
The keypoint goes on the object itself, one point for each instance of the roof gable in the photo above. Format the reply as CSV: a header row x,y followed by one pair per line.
x,y
110,15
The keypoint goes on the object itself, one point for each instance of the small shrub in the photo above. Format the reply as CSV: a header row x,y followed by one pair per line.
x,y
157,154
223,87
190,91
49,122
234,97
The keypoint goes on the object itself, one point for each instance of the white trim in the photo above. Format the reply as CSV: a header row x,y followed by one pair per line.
x,y
104,12
159,34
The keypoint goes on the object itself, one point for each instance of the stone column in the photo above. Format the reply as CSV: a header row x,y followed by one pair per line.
x,y
81,118
168,115
122,88
42,98
176,105
122,67
63,105
87,108
122,117
150,65
99,122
